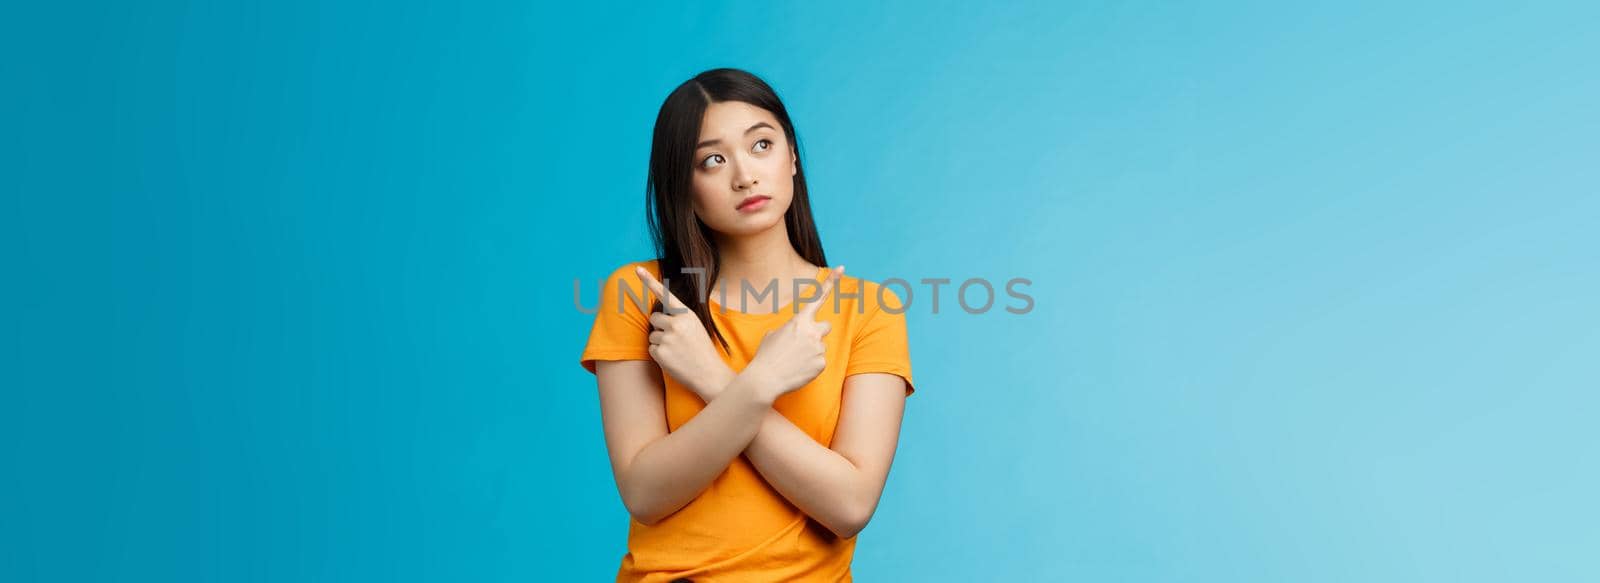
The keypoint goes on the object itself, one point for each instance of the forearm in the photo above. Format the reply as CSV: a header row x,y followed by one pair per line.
x,y
817,480
669,472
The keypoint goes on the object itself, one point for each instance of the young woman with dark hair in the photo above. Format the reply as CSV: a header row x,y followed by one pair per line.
x,y
750,441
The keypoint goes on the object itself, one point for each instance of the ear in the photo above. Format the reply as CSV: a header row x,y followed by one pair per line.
x,y
794,163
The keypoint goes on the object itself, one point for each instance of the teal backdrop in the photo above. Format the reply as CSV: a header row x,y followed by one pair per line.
x,y
289,289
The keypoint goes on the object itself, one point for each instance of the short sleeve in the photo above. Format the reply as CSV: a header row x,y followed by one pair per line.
x,y
621,330
881,343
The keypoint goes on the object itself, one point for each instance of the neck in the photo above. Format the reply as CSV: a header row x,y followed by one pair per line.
x,y
760,258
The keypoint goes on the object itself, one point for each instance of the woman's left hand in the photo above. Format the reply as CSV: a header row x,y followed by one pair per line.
x,y
680,346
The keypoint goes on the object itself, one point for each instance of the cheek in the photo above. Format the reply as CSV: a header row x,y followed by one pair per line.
x,y
780,174
779,162
705,196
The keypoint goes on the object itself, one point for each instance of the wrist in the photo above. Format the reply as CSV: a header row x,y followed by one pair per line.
x,y
715,380
755,379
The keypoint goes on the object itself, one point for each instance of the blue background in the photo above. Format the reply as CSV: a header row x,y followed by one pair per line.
x,y
289,290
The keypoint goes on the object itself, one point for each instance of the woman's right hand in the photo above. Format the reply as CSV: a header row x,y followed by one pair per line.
x,y
793,354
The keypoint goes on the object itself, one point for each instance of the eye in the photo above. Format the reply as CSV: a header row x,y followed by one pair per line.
x,y
706,163
760,148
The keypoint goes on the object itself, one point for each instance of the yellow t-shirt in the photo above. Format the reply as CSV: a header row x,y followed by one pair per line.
x,y
739,528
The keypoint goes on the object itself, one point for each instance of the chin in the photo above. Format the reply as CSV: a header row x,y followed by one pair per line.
x,y
742,225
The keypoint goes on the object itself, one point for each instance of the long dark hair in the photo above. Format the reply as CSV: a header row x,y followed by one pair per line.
x,y
681,239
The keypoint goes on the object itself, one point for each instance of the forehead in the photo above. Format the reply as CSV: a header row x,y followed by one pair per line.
x,y
729,120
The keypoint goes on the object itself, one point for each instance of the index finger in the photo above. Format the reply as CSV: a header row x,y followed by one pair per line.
x,y
810,310
669,303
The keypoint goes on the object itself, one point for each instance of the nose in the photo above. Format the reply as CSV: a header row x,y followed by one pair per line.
x,y
742,178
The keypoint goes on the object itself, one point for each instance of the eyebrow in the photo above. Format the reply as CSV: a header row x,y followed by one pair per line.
x,y
759,125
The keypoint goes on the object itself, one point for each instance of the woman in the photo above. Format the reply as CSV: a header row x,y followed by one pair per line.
x,y
750,438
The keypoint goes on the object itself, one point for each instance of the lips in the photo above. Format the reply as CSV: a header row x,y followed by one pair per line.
x,y
753,202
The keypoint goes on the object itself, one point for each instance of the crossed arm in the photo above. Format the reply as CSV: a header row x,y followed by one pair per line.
x,y
658,472
839,487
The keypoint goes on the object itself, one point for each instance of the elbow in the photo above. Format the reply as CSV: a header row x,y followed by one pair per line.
x,y
852,521
645,519
646,502
643,515
647,516
847,530
640,508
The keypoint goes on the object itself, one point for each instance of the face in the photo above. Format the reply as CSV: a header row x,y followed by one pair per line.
x,y
742,153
